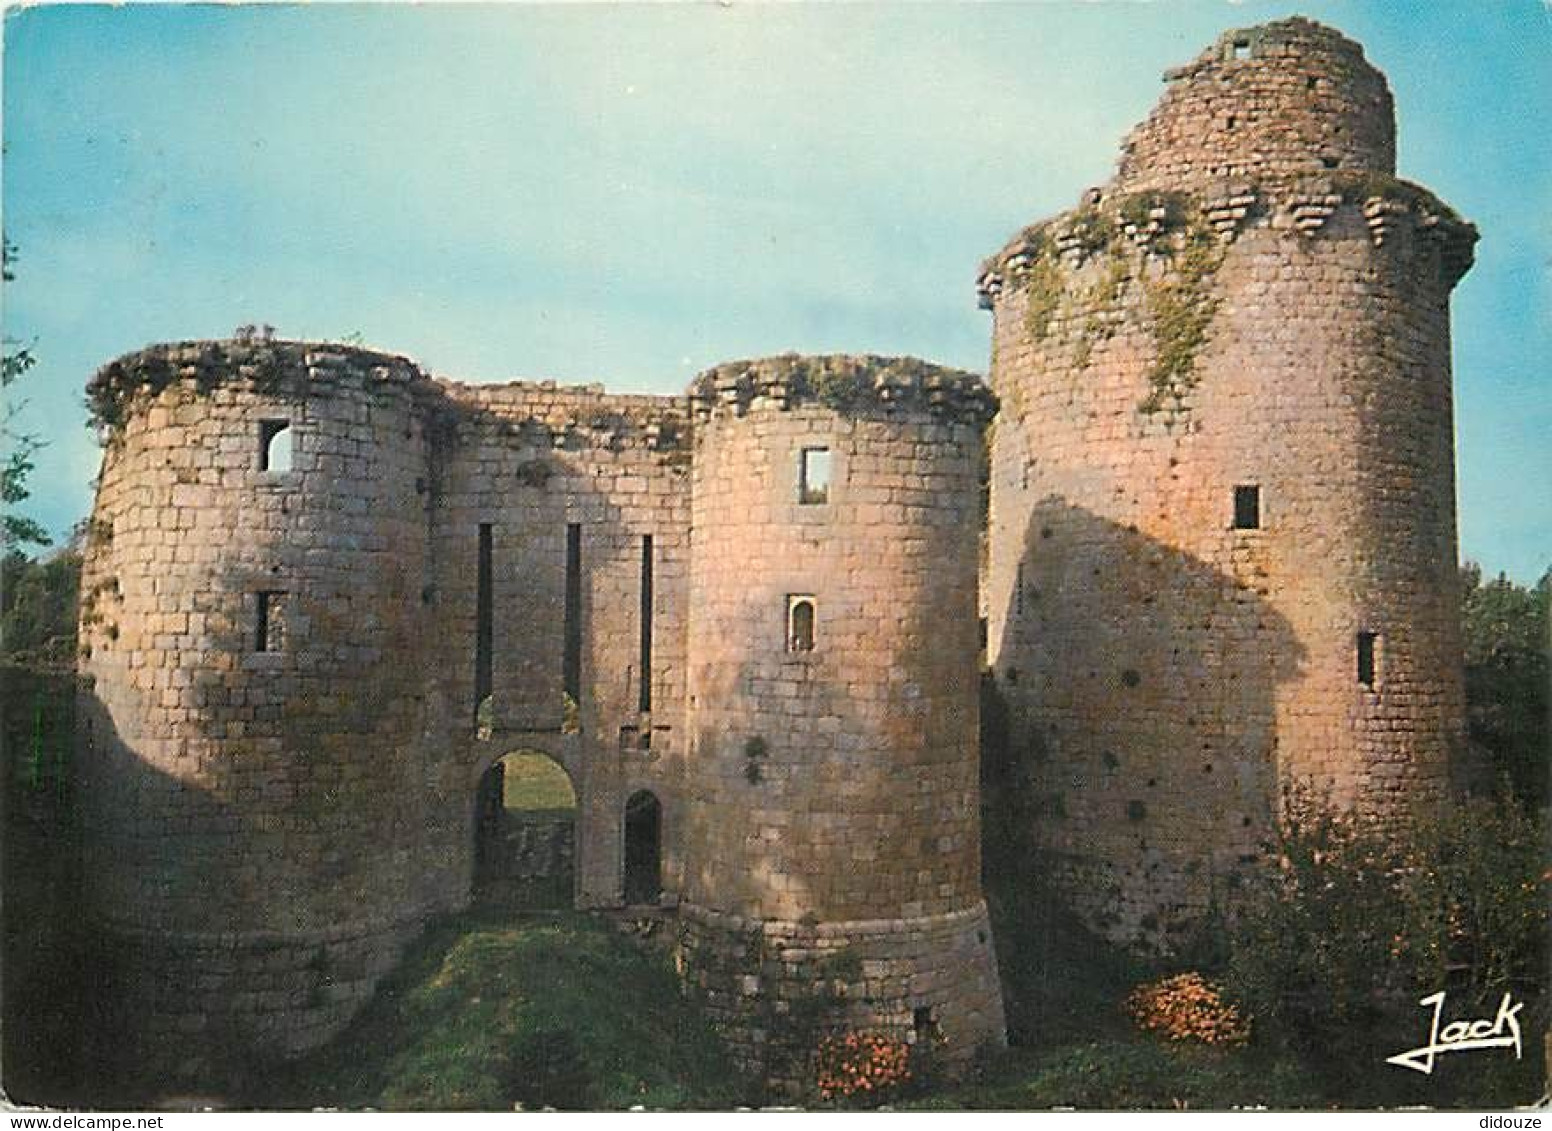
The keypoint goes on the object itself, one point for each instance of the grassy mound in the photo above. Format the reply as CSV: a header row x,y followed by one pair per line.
x,y
560,1011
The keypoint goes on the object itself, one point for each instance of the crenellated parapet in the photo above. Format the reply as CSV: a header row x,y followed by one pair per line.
x,y
1113,221
848,384
282,369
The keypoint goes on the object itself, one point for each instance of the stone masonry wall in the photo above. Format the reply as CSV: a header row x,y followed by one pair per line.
x,y
233,792
924,980
1286,97
277,812
531,459
1168,672
836,786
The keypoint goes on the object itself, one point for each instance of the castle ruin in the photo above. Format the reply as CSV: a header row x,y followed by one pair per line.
x,y
324,592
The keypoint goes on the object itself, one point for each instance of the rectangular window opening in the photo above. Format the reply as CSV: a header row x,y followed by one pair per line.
x,y
1242,49
269,622
1247,507
571,660
1368,647
814,476
1018,590
484,619
275,445
646,624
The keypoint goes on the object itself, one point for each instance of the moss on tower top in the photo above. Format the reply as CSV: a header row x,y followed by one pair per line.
x,y
863,384
267,365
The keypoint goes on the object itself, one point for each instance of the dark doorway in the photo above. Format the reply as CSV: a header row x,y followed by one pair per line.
x,y
643,848
524,834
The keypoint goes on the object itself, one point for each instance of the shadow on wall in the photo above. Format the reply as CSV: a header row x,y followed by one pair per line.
x,y
176,990
1139,756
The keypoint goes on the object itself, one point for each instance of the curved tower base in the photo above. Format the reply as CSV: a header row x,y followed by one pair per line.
x,y
929,982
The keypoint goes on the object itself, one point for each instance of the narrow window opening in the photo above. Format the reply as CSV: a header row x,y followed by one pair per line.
x,y
646,624
484,620
571,663
1018,590
275,445
814,476
925,1024
800,624
269,622
1368,646
1247,507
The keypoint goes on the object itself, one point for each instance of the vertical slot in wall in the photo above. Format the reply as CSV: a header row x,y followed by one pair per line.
x,y
571,664
646,623
484,620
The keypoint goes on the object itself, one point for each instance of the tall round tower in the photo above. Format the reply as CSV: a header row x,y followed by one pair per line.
x,y
1222,540
833,825
251,748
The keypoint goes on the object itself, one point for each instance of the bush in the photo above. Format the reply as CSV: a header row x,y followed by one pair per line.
x,y
1187,1007
1355,922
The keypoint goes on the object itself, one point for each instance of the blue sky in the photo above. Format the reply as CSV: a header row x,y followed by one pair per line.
x,y
630,194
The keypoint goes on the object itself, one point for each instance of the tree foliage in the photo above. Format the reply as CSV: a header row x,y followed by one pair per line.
x,y
16,358
1353,922
39,599
1505,631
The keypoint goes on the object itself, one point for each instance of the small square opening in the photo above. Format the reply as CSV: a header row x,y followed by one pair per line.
x,y
1241,49
814,476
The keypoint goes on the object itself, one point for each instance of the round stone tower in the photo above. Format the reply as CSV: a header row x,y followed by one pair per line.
x,y
251,748
1222,554
833,819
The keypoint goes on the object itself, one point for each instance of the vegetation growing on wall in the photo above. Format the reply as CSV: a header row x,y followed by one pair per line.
x,y
1044,288
1181,306
1102,299
1179,301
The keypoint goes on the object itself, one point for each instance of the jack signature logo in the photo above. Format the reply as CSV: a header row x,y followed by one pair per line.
x,y
1502,1032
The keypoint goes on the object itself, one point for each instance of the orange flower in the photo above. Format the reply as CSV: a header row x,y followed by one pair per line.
x,y
1187,1007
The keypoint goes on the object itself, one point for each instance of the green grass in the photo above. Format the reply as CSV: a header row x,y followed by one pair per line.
x,y
1131,1073
558,1011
